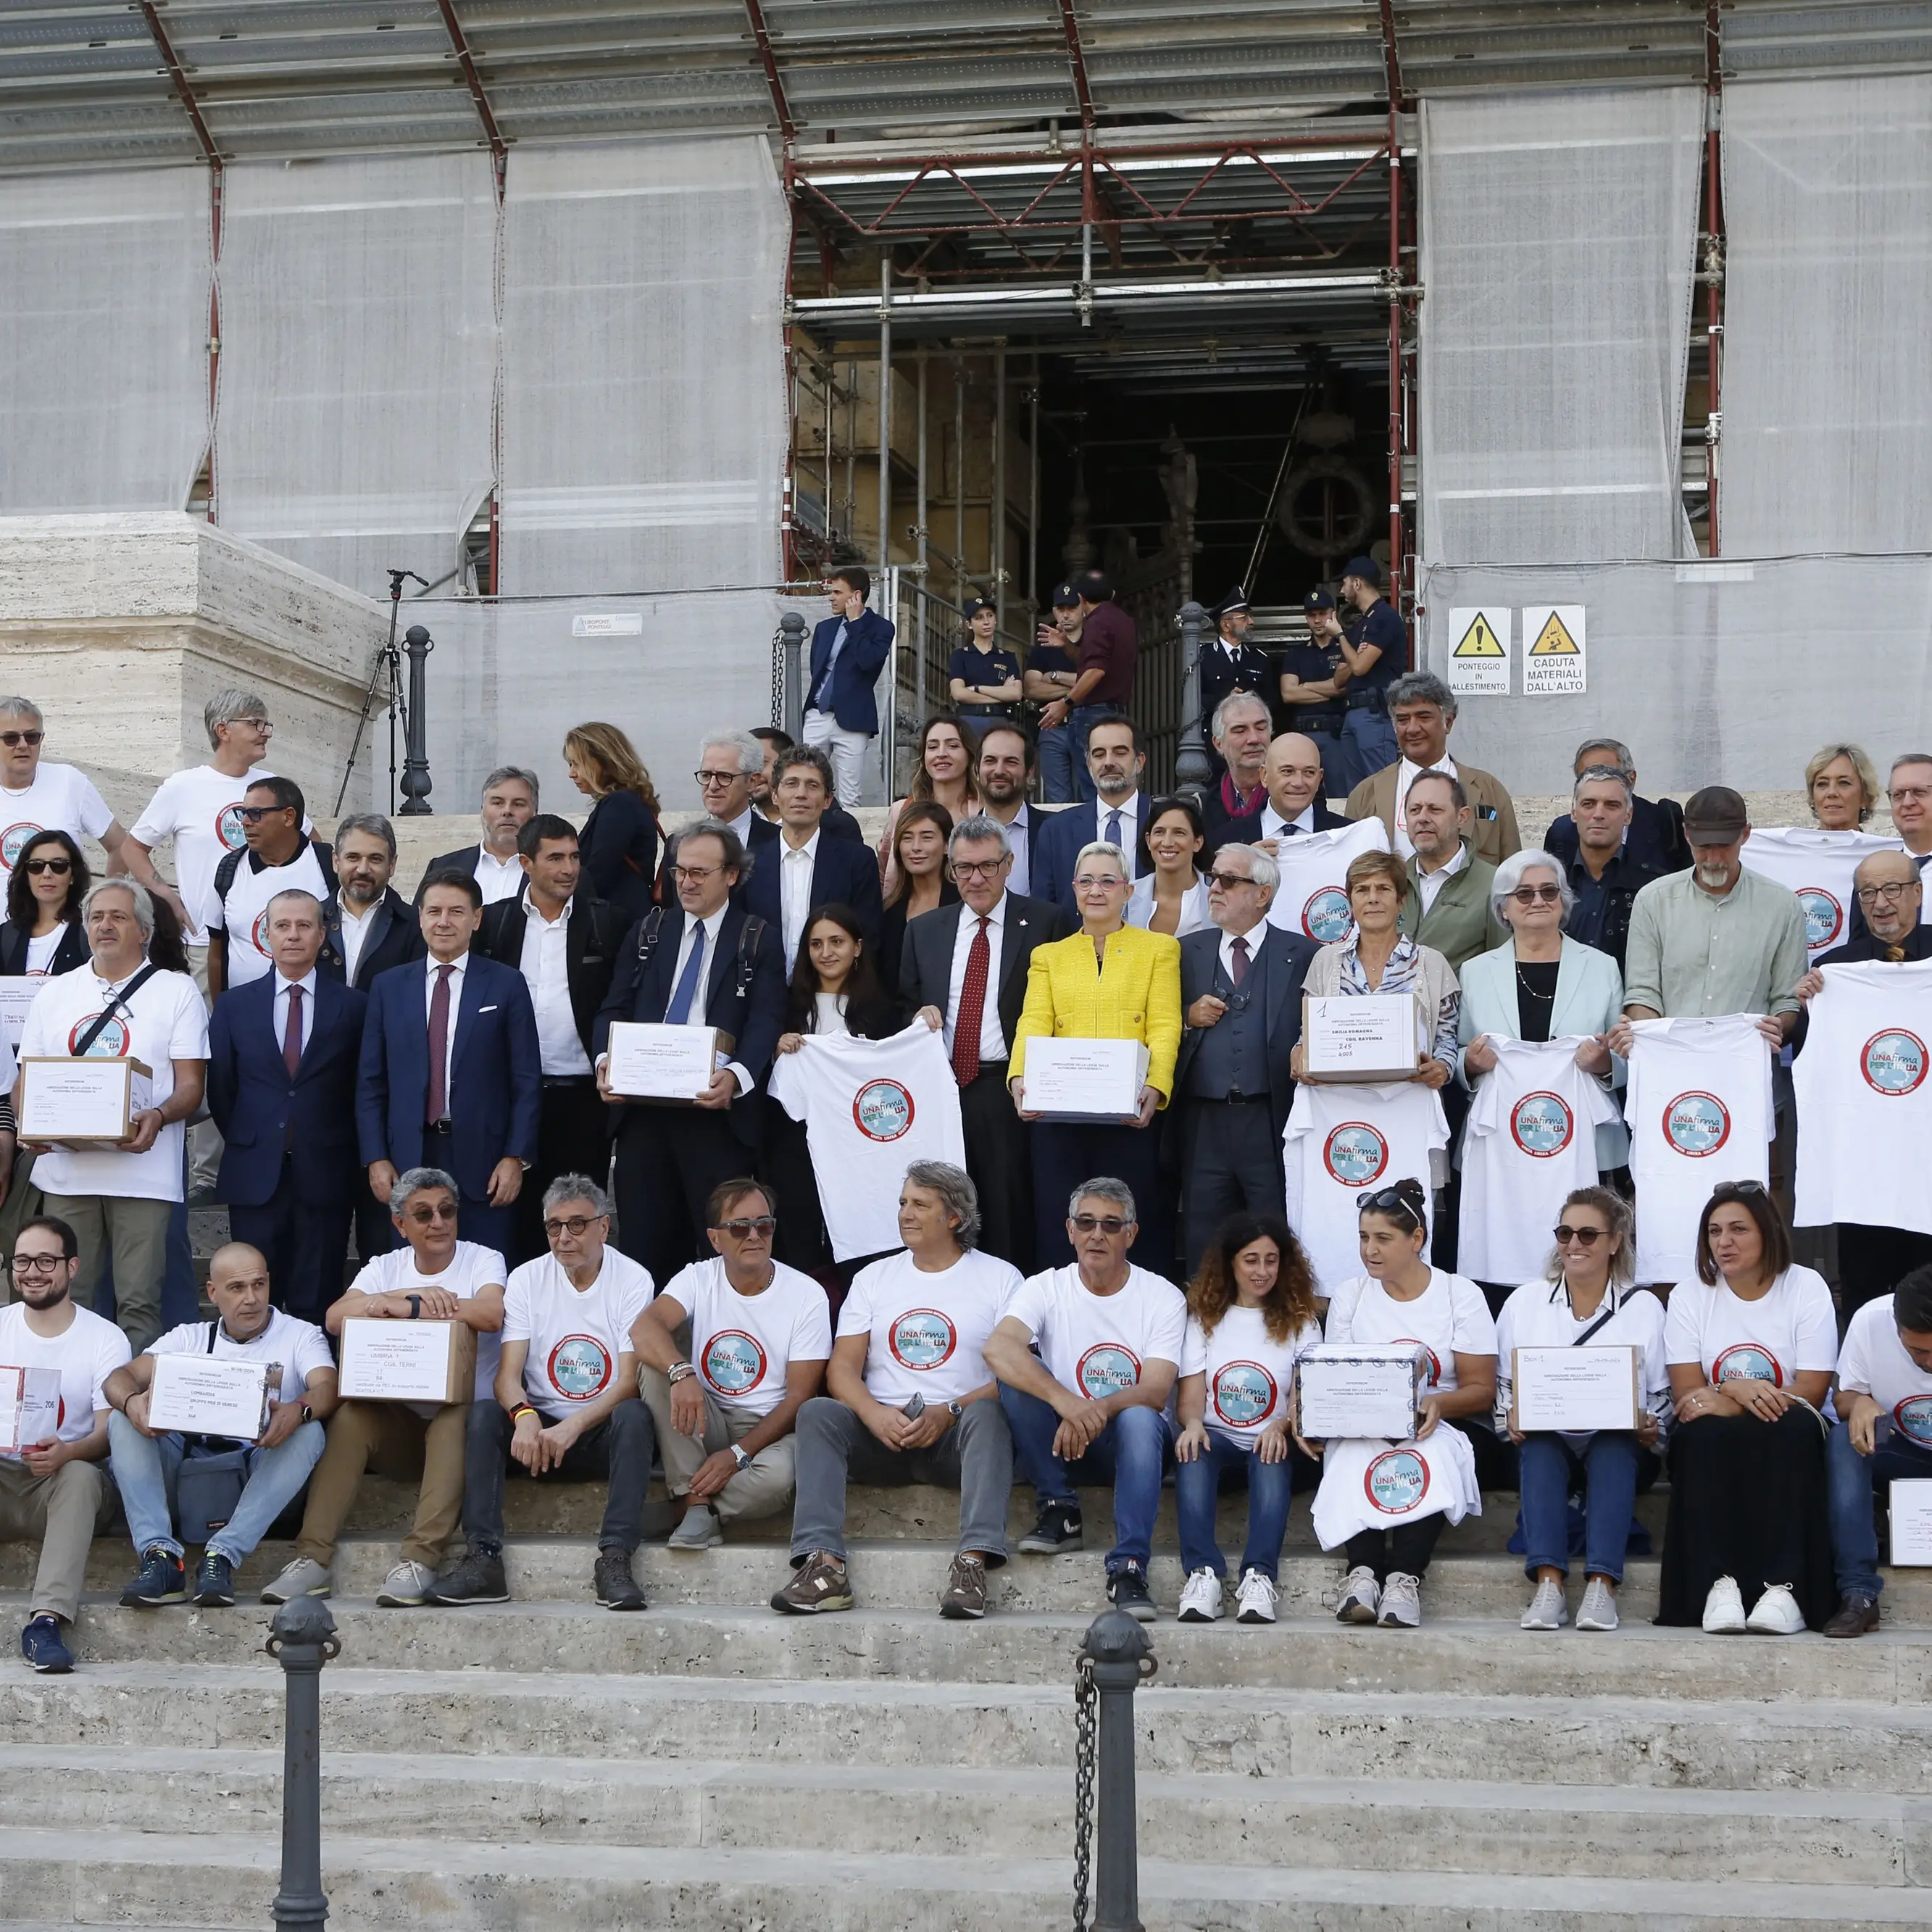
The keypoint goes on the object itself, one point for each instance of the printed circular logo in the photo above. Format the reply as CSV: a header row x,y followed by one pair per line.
x,y
1397,1480
13,841
1696,1124
733,1361
1326,918
579,1368
1434,1360
1893,1063
112,1042
1542,1125
259,934
923,1338
1107,1368
1244,1394
1824,917
228,827
1913,1417
1743,1359
882,1110
1355,1154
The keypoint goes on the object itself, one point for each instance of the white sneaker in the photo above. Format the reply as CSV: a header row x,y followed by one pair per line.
x,y
1776,1613
1361,1597
304,1577
1201,1600
1724,1608
1547,1610
407,1585
1256,1597
1402,1601
697,1529
1599,1610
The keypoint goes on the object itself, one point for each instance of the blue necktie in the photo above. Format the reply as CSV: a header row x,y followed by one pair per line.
x,y
1113,828
678,1013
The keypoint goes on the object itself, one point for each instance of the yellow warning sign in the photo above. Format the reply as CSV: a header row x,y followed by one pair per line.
x,y
1554,640
1480,641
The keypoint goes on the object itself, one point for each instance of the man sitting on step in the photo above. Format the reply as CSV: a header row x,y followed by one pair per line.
x,y
148,1463
433,1277
565,1406
911,1398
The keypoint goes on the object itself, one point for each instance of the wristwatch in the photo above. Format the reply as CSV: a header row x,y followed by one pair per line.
x,y
738,1456
415,1307
308,1414
955,1410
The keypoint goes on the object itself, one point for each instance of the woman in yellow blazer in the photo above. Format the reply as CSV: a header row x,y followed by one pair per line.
x,y
1109,981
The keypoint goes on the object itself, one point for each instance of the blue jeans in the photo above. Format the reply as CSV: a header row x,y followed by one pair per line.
x,y
1851,1479
146,1468
1056,765
1079,722
1367,744
1549,1466
1130,1453
1228,1463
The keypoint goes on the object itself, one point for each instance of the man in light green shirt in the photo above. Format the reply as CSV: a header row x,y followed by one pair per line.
x,y
1448,904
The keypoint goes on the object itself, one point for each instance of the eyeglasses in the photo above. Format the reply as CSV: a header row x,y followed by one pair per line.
x,y
60,867
756,1224
260,724
1890,893
37,1264
1227,881
694,875
424,1215
574,1225
21,737
1918,792
1537,894
707,780
1086,881
1586,1237
977,868
254,815
1108,1224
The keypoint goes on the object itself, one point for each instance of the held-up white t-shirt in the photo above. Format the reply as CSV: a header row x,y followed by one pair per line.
x,y
1448,1317
1097,1345
576,1335
1312,899
1791,1329
472,1269
244,912
742,1344
61,799
1817,866
86,1354
299,1346
200,809
1873,1361
927,1331
1250,1374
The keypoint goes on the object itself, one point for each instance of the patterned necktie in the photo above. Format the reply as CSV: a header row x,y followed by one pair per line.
x,y
1238,969
972,1006
1113,828
678,1013
439,1048
292,1035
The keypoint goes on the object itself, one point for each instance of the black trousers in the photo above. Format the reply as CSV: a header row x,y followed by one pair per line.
x,y
1871,1261
305,1244
1065,1156
669,1158
1407,1548
801,1241
573,1137
999,1156
1231,1160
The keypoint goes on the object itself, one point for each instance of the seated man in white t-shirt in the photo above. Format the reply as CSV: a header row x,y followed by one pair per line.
x,y
1091,1406
912,1400
759,1335
147,1464
55,1487
565,1405
433,1277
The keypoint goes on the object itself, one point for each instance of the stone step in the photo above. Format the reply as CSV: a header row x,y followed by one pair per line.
x,y
1374,1825
218,1879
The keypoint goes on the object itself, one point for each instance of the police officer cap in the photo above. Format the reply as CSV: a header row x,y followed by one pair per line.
x,y
1318,600
1065,597
1366,568
974,605
1236,599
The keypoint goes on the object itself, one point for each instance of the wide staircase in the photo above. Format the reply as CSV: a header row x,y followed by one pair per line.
x,y
708,1764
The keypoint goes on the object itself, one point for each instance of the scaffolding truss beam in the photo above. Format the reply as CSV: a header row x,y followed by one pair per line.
x,y
1076,59
178,78
459,45
768,59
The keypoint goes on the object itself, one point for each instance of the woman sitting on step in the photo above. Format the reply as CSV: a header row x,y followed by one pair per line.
x,y
1751,1344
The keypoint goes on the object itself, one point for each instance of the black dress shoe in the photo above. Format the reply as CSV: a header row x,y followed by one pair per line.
x,y
1855,1615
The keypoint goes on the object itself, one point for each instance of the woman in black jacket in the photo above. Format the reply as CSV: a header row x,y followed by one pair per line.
x,y
619,839
42,934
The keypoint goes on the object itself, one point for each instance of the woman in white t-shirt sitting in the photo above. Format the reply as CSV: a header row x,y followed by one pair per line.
x,y
1585,1300
1751,1344
1386,1502
1250,1315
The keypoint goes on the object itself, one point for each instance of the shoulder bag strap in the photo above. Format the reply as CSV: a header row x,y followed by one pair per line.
x,y
107,1012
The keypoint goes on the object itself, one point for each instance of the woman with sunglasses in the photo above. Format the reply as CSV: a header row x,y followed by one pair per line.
x,y
949,749
1386,1502
1585,1300
1750,1345
920,879
1171,896
42,934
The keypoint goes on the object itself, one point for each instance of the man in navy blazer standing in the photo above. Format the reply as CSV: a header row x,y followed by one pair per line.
x,y
283,1054
1116,759
704,961
807,866
452,1073
848,651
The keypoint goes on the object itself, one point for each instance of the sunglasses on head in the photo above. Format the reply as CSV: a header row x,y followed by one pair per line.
x,y
1737,1190
1388,1201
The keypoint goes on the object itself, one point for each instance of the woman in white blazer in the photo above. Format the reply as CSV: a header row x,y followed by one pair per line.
x,y
1542,985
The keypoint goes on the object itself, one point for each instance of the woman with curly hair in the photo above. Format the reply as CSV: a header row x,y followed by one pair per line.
x,y
619,839
1250,1316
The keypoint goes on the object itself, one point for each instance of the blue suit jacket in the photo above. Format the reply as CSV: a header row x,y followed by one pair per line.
x,y
840,871
1058,845
254,1101
867,641
495,1072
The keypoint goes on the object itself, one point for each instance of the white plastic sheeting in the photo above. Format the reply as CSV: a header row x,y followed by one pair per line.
x,y
1731,672
1827,376
103,339
1558,245
644,420
358,362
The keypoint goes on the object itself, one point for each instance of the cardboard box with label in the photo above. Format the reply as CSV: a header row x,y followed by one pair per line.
x,y
1358,1390
1367,1038
84,1104
30,1403
1085,1081
670,1065
212,1395
407,1361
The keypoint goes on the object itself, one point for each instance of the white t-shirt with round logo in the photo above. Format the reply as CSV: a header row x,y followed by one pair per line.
x,y
472,1269
1449,1317
86,1353
299,1346
575,1335
1250,1374
1790,1329
742,1344
61,799
1818,867
1098,1345
927,1331
200,810
244,912
1874,1361
1312,899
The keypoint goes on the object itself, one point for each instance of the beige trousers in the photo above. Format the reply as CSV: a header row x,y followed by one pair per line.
x,y
762,1488
64,1510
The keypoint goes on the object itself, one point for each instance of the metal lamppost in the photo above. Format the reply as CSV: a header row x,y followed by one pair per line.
x,y
416,786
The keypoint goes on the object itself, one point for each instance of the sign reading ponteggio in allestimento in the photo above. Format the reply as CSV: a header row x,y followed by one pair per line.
x,y
1553,650
1479,652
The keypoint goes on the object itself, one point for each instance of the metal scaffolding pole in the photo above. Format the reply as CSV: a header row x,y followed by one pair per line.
x,y
885,410
1713,262
918,527
996,510
1033,491
1395,362
959,481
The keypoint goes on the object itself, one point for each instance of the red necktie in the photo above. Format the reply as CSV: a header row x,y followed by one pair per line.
x,y
439,1048
972,1007
292,1035
1237,949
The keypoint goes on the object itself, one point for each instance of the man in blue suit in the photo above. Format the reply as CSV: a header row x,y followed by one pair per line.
x,y
807,866
1115,760
848,651
704,961
452,1073
283,1054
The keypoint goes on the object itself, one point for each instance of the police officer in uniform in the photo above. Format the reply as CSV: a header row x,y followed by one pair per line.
x,y
1375,645
1314,682
1230,663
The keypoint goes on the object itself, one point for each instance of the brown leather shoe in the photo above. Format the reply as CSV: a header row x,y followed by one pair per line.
x,y
1853,1617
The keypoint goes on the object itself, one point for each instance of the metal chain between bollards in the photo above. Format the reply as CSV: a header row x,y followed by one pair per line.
x,y
1085,1704
302,1639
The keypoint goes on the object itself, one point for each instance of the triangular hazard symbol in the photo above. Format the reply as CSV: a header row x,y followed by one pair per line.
x,y
1554,641
1478,641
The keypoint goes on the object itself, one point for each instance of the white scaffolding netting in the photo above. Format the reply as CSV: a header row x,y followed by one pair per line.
x,y
644,417
103,339
1557,243
1827,391
358,360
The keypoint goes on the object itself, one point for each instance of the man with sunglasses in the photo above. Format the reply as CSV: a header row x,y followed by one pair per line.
x,y
35,797
1448,907
279,856
432,1277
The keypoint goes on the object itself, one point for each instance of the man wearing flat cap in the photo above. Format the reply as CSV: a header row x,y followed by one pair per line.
x,y
1232,663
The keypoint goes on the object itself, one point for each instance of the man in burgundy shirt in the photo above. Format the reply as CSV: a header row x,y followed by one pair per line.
x,y
1105,683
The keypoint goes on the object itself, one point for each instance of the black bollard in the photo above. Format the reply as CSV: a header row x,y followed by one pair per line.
x,y
1192,770
1117,1655
416,783
302,1639
791,642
